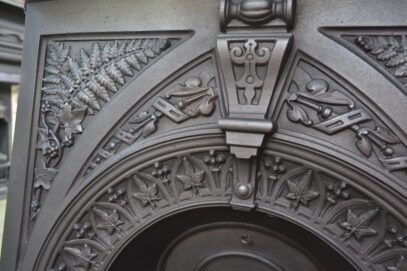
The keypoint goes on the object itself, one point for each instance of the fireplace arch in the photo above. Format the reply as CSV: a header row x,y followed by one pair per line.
x,y
157,111
129,196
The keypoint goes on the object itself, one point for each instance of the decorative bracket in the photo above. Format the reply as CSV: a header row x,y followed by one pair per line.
x,y
251,67
251,63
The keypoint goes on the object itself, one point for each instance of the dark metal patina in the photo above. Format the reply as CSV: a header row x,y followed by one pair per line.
x,y
157,140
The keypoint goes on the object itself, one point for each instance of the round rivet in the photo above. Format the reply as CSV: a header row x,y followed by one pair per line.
x,y
243,190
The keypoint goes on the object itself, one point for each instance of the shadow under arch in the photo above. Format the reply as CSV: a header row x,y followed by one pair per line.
x,y
154,250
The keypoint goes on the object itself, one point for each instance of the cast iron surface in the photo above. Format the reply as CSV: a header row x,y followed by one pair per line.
x,y
137,116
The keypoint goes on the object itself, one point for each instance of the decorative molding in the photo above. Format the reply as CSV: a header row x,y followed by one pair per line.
x,y
312,102
353,222
77,82
193,96
356,225
183,179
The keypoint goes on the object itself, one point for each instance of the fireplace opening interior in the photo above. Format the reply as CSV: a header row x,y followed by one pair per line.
x,y
223,239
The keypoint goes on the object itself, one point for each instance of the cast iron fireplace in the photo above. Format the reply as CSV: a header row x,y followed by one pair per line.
x,y
210,135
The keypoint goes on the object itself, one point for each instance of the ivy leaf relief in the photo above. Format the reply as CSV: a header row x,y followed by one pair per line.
x,y
110,221
44,177
358,226
81,82
299,191
148,194
71,119
44,143
84,257
191,179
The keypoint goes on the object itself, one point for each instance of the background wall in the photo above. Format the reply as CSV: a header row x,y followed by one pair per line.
x,y
11,38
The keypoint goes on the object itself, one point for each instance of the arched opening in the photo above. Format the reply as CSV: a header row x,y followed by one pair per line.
x,y
224,239
133,220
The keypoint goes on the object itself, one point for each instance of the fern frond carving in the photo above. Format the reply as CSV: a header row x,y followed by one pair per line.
x,y
87,80
391,51
77,84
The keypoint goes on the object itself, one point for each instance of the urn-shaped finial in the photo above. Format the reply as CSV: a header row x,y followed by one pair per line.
x,y
257,12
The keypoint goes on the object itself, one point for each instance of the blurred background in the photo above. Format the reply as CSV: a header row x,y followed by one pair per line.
x,y
11,46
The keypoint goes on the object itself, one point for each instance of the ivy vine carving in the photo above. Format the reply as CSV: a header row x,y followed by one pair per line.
x,y
75,87
302,193
325,204
143,194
